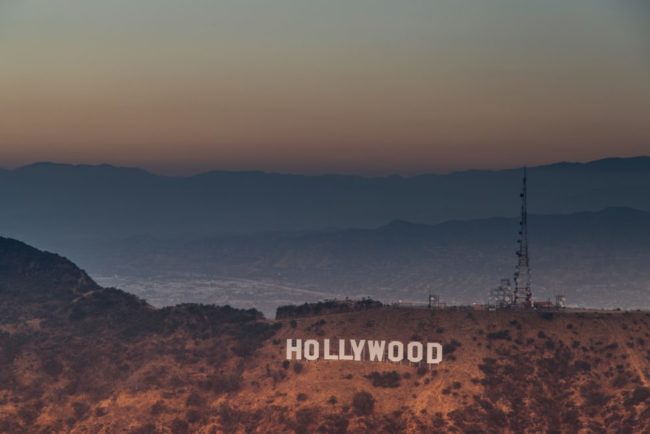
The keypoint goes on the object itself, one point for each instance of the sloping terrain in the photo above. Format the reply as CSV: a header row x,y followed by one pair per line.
x,y
100,360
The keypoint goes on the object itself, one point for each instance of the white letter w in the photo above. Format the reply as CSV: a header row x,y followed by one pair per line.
x,y
376,350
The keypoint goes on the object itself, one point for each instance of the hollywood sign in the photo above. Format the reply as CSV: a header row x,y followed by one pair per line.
x,y
361,350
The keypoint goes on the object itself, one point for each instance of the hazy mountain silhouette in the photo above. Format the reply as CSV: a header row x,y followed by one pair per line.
x,y
45,202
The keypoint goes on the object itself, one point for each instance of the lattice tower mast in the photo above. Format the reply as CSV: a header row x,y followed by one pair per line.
x,y
522,292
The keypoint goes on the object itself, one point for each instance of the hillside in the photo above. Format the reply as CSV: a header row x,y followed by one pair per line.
x,y
100,360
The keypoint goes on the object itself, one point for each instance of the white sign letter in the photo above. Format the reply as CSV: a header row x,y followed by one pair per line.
x,y
312,349
326,350
342,355
438,350
392,356
357,348
376,350
414,352
291,349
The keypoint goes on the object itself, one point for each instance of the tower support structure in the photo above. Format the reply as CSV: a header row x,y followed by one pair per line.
x,y
522,294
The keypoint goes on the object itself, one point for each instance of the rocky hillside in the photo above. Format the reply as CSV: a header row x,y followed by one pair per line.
x,y
78,358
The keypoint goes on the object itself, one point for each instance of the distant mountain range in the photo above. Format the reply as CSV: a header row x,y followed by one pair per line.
x,y
44,203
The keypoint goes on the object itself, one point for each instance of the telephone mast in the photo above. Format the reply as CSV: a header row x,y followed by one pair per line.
x,y
522,294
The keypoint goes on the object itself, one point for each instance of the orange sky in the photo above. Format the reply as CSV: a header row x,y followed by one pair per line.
x,y
371,86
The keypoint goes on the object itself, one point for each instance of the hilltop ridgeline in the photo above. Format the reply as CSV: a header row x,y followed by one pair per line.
x,y
326,307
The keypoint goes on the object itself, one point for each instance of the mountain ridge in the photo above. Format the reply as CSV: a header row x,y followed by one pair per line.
x,y
638,162
46,204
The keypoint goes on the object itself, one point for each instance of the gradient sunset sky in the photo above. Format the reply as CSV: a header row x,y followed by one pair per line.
x,y
315,86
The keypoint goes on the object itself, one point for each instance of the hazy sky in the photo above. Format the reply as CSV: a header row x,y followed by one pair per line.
x,y
358,86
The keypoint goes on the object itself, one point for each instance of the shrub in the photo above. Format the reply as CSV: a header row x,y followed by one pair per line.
x,y
393,423
450,347
80,410
194,416
179,426
384,379
327,306
100,412
158,408
306,416
334,424
495,417
12,345
28,415
363,403
195,400
52,367
489,366
144,429
228,417
250,335
640,394
500,335
593,395
439,421
297,367
620,380
224,383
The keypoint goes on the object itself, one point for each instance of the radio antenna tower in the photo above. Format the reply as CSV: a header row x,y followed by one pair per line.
x,y
522,293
